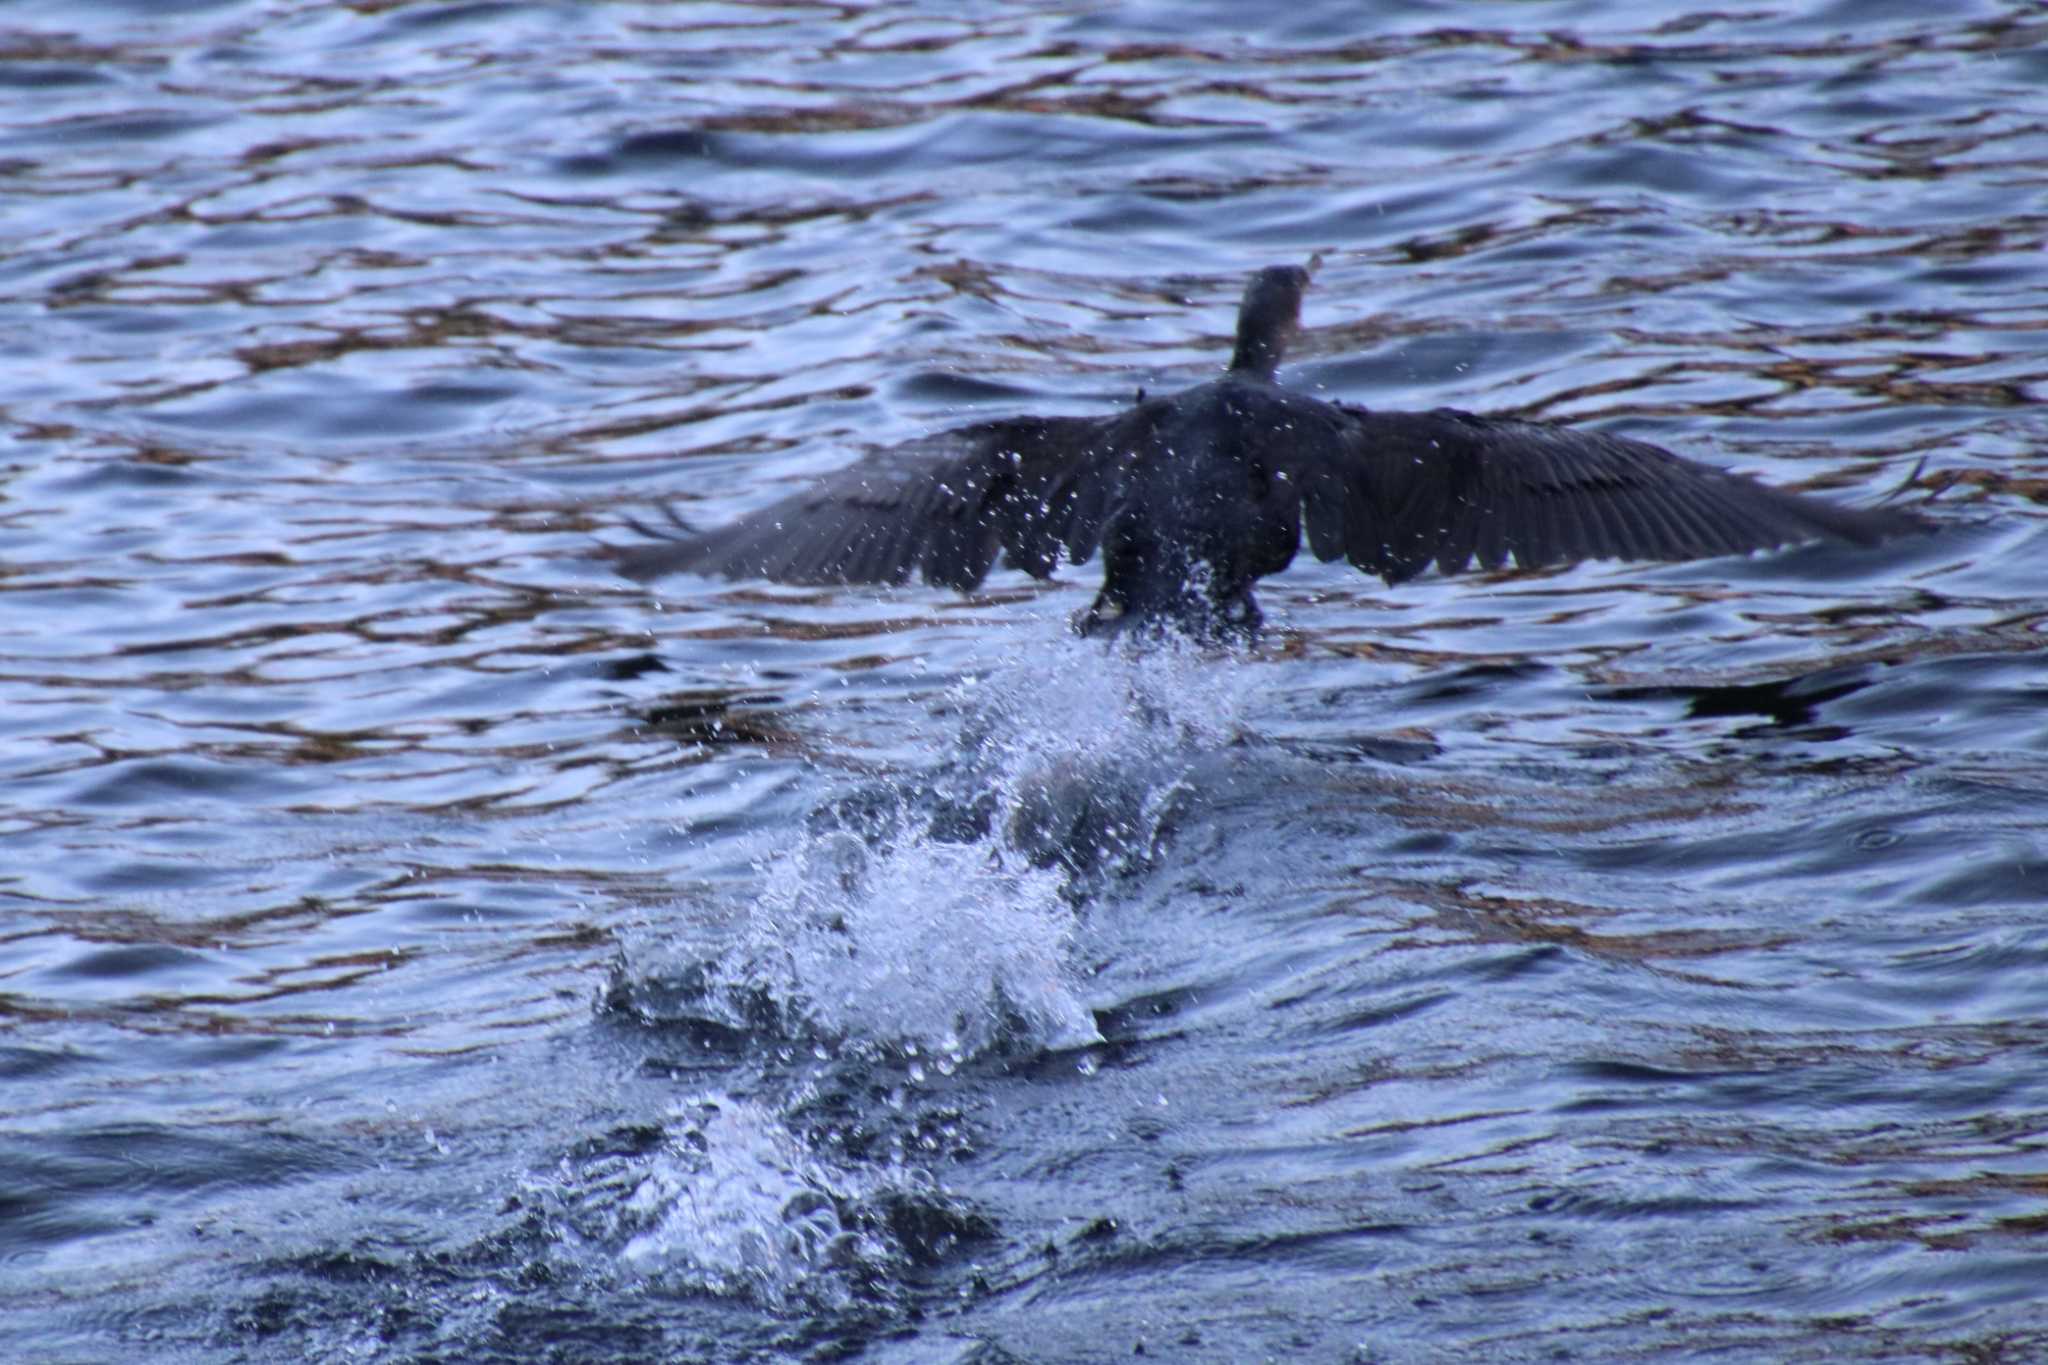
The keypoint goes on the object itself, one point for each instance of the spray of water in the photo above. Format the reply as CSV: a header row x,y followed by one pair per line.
x,y
919,938
946,947
933,948
734,1205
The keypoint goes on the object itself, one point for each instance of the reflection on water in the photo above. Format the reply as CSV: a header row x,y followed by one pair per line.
x,y
415,943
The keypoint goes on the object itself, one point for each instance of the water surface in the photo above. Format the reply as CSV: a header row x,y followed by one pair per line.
x,y
417,944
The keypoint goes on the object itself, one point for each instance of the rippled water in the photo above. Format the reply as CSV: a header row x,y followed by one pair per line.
x,y
416,944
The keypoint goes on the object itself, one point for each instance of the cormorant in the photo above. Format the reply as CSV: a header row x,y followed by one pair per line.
x,y
1193,497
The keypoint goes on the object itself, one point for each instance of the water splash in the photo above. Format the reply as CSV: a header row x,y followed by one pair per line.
x,y
932,920
932,947
1088,752
908,929
733,1204
1081,697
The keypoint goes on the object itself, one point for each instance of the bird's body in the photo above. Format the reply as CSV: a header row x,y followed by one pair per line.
x,y
1198,511
1193,497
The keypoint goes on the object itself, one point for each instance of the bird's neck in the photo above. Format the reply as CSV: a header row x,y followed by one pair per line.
x,y
1256,357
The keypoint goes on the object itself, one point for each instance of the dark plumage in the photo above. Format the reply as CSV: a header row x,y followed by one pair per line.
x,y
1192,497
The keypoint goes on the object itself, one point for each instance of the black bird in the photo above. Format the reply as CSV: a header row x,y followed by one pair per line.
x,y
1193,497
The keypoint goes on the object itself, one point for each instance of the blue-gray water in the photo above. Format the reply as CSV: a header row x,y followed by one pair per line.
x,y
416,944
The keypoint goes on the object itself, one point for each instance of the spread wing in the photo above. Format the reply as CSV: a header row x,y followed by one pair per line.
x,y
942,506
1393,492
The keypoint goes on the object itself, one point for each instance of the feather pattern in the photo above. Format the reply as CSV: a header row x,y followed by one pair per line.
x,y
1192,497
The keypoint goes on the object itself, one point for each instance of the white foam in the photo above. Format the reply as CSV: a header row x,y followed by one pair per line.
x,y
734,1205
942,949
940,946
